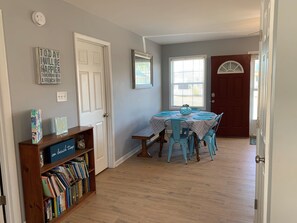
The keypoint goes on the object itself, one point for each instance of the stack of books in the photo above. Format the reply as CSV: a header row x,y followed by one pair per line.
x,y
64,185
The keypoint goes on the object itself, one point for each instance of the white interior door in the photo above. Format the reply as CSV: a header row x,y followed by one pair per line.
x,y
264,111
92,100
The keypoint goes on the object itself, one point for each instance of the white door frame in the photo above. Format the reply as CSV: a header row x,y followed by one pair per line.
x,y
7,147
108,93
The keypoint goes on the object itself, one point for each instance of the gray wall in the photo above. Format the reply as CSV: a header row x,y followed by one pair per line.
x,y
283,165
209,48
132,108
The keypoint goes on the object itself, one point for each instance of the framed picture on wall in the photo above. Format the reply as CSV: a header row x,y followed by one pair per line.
x,y
48,66
142,70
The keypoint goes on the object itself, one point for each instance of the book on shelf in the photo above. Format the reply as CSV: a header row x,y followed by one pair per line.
x,y
71,172
62,189
86,185
47,187
58,194
65,185
77,170
54,183
87,160
62,169
48,210
55,207
83,166
36,125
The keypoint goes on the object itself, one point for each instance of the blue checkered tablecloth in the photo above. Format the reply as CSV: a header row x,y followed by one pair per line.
x,y
200,127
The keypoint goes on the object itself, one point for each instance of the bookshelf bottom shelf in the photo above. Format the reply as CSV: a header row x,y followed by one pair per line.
x,y
73,207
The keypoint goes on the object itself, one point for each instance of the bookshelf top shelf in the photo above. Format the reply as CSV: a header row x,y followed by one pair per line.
x,y
53,138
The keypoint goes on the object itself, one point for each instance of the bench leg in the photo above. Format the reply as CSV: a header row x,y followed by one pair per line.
x,y
144,152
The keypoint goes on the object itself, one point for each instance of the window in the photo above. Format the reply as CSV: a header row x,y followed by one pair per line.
x,y
254,86
187,85
230,67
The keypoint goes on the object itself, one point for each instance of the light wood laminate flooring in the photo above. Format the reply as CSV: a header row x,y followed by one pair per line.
x,y
150,190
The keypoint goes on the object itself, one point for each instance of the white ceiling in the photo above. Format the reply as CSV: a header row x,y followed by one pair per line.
x,y
179,21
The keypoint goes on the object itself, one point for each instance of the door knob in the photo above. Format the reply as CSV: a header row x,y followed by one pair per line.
x,y
212,101
105,115
258,159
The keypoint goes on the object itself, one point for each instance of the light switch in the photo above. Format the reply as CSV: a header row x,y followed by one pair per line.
x,y
61,96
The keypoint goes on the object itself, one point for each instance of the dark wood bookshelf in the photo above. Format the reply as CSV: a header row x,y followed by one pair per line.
x,y
32,170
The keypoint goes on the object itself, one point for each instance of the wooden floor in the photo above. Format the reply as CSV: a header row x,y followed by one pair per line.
x,y
148,190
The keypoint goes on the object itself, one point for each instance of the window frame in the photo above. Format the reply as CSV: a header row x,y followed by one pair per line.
x,y
171,59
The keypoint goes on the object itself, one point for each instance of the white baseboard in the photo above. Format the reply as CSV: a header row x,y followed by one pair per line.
x,y
127,156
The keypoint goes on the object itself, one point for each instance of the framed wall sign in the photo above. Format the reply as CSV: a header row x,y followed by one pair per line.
x,y
142,70
48,66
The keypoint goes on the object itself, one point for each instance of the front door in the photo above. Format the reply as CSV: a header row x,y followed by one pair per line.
x,y
92,101
230,93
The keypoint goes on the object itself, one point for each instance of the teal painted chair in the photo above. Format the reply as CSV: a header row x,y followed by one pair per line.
x,y
215,129
181,135
210,138
213,132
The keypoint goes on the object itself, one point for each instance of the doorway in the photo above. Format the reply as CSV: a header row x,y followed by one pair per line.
x,y
9,174
94,96
230,87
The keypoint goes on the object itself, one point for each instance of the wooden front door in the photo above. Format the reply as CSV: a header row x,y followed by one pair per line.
x,y
230,87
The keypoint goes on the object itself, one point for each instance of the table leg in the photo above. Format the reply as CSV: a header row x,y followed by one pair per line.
x,y
161,136
196,144
144,152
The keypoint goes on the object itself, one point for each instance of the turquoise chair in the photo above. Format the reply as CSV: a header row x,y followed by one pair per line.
x,y
210,138
181,135
212,132
215,129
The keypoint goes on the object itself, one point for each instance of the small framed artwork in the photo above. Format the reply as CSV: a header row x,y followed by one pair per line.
x,y
61,125
142,70
48,66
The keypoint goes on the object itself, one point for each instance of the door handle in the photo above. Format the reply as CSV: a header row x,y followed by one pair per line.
x,y
212,101
259,159
105,115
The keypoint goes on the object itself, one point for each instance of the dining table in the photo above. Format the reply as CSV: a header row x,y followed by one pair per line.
x,y
199,122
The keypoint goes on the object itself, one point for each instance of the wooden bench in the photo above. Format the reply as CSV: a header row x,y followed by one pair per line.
x,y
144,135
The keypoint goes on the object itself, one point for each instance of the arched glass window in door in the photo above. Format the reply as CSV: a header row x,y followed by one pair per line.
x,y
230,67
